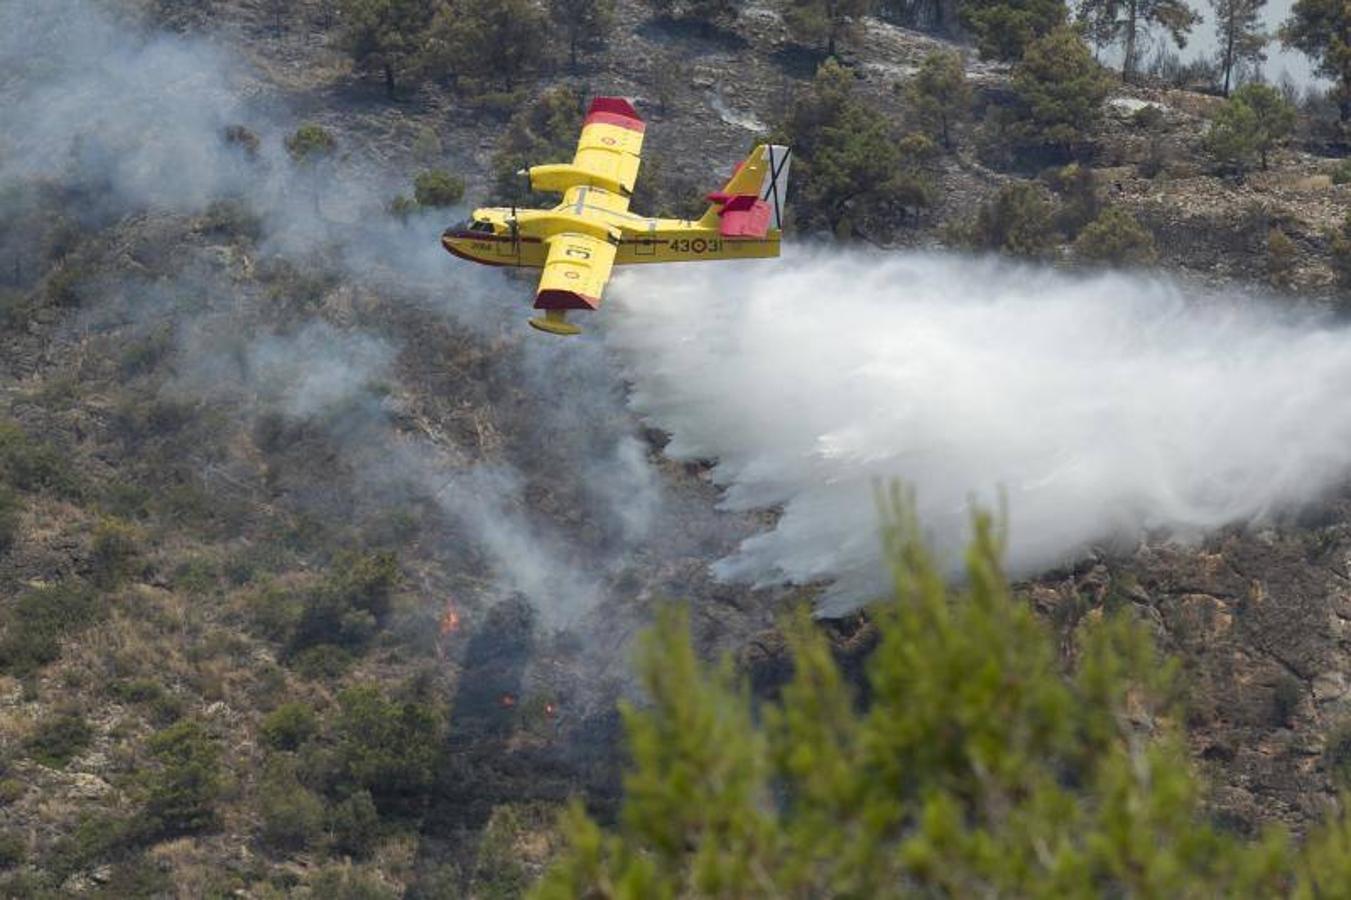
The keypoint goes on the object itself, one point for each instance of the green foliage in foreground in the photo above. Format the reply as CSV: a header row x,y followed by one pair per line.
x,y
978,767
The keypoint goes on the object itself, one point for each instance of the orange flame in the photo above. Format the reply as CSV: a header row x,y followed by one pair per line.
x,y
507,701
450,619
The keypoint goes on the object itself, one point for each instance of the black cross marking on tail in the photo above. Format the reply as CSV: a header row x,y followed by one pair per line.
x,y
772,190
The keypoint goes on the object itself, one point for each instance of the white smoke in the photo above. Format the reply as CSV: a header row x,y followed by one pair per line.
x,y
1102,406
135,122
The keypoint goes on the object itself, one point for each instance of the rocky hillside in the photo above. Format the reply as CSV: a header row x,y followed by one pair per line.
x,y
320,573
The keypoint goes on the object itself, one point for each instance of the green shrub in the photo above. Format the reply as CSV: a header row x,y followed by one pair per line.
x,y
311,144
1254,121
182,790
387,747
275,611
355,825
143,354
1117,239
94,838
1282,257
322,662
1147,117
1286,696
1337,753
289,726
350,605
1017,221
198,575
11,789
242,138
13,849
114,553
427,147
136,690
59,739
231,218
37,622
33,466
11,514
499,870
163,707
1077,188
293,815
438,188
402,206
1341,173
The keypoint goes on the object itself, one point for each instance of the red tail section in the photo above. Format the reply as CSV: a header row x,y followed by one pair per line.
x,y
745,216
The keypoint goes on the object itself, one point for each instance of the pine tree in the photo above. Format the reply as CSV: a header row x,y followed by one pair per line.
x,y
1004,28
584,24
1060,90
976,767
1242,41
490,42
828,21
1252,123
940,94
384,34
1321,29
851,172
1108,21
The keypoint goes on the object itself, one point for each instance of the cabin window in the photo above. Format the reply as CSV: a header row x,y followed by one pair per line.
x,y
482,226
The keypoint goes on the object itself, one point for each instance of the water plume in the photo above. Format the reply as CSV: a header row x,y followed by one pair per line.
x,y
1100,405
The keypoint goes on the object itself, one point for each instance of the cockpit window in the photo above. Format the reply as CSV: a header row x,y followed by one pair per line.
x,y
482,226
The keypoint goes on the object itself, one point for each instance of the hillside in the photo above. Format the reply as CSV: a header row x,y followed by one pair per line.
x,y
321,572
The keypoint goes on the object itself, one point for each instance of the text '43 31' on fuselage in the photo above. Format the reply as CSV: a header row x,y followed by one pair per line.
x,y
579,241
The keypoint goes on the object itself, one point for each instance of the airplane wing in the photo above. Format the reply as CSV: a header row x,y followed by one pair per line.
x,y
607,158
611,144
575,273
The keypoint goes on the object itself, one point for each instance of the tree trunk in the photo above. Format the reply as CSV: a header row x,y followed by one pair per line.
x,y
1128,64
1228,56
389,80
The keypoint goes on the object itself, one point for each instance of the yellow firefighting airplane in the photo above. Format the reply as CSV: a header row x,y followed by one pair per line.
x,y
577,242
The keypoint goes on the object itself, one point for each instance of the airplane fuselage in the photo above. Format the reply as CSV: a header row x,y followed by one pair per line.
x,y
638,239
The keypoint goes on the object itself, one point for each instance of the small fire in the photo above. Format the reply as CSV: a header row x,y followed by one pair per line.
x,y
507,701
450,619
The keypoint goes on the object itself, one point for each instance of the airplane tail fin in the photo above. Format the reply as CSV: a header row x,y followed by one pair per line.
x,y
754,199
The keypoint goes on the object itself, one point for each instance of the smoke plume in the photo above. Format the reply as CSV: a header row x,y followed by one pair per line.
x,y
1101,406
